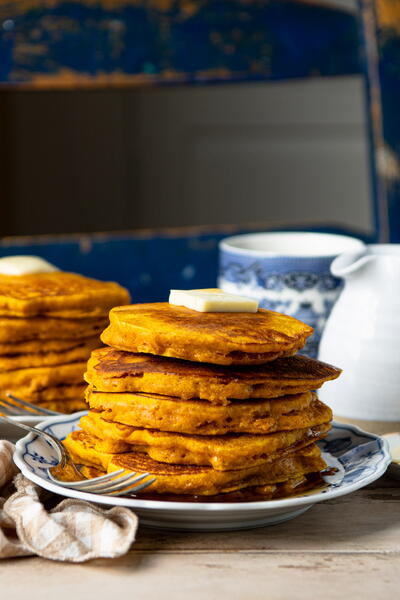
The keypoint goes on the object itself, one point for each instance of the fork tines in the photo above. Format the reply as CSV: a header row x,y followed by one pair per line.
x,y
19,407
110,484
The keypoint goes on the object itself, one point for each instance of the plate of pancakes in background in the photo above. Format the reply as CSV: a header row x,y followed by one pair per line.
x,y
49,324
220,409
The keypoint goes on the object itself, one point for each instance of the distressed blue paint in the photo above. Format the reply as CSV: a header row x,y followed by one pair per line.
x,y
149,265
222,39
382,51
389,75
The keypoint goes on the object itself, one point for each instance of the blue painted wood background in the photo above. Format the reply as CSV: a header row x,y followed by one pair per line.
x,y
125,42
381,28
58,43
148,263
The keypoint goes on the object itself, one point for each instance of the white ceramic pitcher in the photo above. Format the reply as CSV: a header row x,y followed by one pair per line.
x,y
362,336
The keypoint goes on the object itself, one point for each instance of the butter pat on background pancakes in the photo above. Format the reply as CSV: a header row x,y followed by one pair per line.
x,y
50,322
212,300
25,265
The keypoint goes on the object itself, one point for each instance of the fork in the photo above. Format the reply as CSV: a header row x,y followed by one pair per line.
x,y
22,408
110,484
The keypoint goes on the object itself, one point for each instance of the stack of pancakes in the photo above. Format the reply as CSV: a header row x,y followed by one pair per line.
x,y
49,324
213,405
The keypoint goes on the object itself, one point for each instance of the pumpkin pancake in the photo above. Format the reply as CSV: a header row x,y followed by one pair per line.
x,y
62,406
67,473
111,370
285,489
221,452
26,381
203,418
56,393
45,346
193,479
80,352
61,393
217,338
18,329
58,294
66,406
64,398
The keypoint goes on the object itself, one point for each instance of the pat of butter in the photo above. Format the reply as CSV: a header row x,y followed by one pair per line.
x,y
25,265
393,440
395,452
212,300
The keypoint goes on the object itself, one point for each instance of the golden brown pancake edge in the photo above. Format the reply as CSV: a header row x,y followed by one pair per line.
x,y
111,370
217,338
193,479
225,452
67,295
204,418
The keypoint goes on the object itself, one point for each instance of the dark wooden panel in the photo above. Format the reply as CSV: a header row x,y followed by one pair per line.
x,y
66,163
7,174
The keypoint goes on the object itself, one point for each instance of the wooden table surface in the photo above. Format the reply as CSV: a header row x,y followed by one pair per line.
x,y
343,548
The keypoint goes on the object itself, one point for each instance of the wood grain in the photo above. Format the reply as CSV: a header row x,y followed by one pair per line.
x,y
348,547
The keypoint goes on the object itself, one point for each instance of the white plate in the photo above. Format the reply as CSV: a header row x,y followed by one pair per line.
x,y
361,458
34,421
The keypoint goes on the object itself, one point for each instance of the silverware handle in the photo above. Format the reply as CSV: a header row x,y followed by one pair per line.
x,y
53,441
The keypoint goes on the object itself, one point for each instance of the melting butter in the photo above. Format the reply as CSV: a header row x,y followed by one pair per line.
x,y
25,265
212,300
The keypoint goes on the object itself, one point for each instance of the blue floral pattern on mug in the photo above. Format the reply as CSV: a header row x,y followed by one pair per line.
x,y
302,287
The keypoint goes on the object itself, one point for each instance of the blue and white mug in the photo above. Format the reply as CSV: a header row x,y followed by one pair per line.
x,y
288,272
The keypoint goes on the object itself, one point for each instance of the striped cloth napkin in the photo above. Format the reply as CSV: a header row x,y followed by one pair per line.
x,y
72,531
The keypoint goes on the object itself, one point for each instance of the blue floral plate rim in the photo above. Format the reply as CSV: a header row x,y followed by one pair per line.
x,y
363,456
